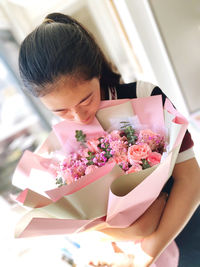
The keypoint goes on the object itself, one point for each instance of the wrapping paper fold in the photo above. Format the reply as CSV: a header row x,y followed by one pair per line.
x,y
108,196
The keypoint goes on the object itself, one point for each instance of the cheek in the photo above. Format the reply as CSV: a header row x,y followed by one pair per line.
x,y
94,108
65,116
96,103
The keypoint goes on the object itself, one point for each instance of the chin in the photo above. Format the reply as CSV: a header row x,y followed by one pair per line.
x,y
88,121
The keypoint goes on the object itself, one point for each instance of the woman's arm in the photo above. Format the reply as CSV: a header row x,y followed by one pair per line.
x,y
183,200
145,225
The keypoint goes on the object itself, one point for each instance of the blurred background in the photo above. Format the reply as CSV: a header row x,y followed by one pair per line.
x,y
152,40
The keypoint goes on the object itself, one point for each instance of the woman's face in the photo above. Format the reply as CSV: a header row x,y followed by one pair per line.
x,y
74,100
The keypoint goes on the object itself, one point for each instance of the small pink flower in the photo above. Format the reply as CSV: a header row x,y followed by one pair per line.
x,y
138,152
150,138
90,169
154,158
135,168
66,162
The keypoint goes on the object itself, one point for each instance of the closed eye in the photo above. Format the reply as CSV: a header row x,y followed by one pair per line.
x,y
84,102
87,101
61,111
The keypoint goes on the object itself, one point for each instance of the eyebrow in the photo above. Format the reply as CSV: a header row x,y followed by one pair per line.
x,y
58,110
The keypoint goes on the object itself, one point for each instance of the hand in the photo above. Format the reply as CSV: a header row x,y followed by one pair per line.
x,y
144,226
115,260
119,259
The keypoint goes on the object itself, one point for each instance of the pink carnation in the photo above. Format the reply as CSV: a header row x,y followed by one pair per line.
x,y
93,145
111,160
118,147
135,168
83,152
67,176
90,169
150,138
115,134
121,158
154,158
138,152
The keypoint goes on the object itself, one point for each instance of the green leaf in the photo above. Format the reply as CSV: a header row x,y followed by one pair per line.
x,y
60,182
80,137
145,164
90,157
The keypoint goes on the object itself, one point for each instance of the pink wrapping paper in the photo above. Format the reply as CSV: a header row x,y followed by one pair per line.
x,y
149,111
121,209
65,132
121,212
57,193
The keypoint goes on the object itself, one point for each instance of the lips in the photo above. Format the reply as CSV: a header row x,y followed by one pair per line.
x,y
87,120
84,121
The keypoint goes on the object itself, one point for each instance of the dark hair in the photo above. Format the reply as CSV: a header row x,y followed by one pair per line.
x,y
61,46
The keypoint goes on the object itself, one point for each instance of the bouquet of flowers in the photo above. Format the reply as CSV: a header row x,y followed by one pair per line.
x,y
132,150
106,173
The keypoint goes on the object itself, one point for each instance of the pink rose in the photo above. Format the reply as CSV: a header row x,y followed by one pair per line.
x,y
138,152
90,169
135,168
154,158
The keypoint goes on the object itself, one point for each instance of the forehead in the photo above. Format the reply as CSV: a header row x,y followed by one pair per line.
x,y
67,92
66,82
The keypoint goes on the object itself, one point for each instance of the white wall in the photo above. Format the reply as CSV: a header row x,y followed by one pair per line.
x,y
154,52
179,24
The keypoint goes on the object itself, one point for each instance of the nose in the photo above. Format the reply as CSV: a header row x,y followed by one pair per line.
x,y
79,115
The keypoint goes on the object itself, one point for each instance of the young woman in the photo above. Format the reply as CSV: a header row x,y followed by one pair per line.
x,y
61,64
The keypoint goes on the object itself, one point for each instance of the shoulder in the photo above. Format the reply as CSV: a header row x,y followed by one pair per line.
x,y
126,90
145,89
138,89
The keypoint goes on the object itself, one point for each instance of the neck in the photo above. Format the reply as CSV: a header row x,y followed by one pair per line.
x,y
104,93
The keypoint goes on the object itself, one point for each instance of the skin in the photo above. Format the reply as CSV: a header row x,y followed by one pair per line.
x,y
74,101
163,221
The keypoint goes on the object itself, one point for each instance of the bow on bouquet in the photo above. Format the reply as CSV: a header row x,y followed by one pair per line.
x,y
125,157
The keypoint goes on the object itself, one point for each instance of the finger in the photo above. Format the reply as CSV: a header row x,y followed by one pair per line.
x,y
116,248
